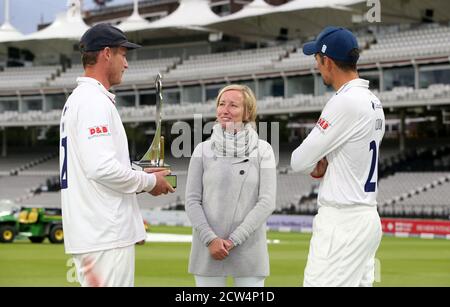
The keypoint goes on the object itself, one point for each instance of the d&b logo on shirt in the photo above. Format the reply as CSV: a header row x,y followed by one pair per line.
x,y
98,131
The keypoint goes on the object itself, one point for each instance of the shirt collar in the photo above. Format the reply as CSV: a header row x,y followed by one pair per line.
x,y
97,84
353,83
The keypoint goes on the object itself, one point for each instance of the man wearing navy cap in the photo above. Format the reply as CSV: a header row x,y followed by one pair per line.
x,y
342,152
101,217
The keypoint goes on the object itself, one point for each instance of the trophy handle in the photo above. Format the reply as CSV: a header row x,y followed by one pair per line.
x,y
154,152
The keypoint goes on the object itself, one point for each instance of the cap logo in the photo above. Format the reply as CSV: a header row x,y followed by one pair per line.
x,y
324,48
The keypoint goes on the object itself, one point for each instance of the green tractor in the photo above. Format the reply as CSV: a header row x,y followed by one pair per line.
x,y
34,223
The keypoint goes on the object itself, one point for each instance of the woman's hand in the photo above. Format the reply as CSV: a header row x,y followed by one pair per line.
x,y
229,244
218,249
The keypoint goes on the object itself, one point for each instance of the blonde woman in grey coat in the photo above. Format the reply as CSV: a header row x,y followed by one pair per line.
x,y
230,194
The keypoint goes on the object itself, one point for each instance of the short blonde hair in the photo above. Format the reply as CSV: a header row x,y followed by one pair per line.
x,y
249,100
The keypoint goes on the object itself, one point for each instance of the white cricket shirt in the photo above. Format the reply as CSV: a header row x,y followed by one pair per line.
x,y
98,186
348,134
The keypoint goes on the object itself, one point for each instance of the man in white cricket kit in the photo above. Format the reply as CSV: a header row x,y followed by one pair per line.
x,y
342,150
101,218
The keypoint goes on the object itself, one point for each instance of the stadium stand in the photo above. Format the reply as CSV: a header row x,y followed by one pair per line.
x,y
47,168
292,187
19,163
228,63
403,183
295,60
405,195
433,196
273,105
7,164
67,78
414,182
18,188
141,71
428,40
27,77
146,70
387,47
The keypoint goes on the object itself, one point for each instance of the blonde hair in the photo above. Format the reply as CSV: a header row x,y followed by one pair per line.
x,y
249,100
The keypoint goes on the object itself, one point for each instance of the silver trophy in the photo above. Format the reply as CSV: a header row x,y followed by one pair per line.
x,y
154,157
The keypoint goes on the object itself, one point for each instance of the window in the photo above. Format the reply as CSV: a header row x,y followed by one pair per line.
x,y
147,99
398,77
55,101
271,88
213,90
192,94
32,104
300,85
9,105
171,96
439,76
126,100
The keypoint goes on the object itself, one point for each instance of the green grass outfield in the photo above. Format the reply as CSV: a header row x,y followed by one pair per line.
x,y
404,262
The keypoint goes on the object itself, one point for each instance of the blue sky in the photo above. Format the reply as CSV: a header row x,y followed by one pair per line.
x,y
25,15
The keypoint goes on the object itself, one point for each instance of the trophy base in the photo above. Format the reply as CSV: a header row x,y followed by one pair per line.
x,y
141,165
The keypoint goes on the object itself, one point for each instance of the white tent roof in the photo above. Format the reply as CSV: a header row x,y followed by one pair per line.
x,y
307,4
260,7
189,18
8,33
68,25
297,17
135,22
254,8
190,13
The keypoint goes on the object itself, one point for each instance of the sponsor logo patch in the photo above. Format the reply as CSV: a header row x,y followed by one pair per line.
x,y
99,131
323,124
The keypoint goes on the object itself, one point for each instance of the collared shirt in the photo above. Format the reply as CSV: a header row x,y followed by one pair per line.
x,y
98,186
348,134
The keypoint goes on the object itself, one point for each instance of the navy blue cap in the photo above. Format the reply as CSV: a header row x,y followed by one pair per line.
x,y
335,43
104,35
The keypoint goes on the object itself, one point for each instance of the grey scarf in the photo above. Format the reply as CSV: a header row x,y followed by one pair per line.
x,y
239,144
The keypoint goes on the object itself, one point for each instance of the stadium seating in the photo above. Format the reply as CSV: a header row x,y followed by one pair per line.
x,y
20,78
385,45
438,195
296,60
425,41
141,71
67,79
413,183
16,188
228,63
396,97
395,186
19,163
144,71
291,187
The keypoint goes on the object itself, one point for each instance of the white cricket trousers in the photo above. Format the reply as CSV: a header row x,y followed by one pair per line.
x,y
108,268
342,248
208,281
